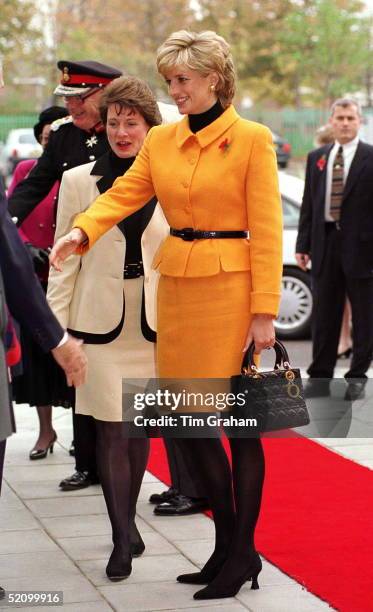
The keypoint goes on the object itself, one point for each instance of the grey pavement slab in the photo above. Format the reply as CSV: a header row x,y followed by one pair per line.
x,y
236,607
156,596
280,599
153,568
193,527
75,526
35,540
88,606
36,472
49,488
14,519
100,547
46,571
50,540
67,506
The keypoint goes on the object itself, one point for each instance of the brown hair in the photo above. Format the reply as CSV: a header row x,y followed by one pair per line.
x,y
131,92
324,135
205,52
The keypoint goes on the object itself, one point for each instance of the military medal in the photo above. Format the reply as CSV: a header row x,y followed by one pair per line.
x,y
90,142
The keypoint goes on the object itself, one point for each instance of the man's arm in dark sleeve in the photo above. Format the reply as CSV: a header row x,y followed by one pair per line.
x,y
31,191
305,220
24,295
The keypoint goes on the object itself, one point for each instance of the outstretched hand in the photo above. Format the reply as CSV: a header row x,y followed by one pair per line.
x,y
65,246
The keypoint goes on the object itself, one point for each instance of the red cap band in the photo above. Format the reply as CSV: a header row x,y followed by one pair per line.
x,y
84,80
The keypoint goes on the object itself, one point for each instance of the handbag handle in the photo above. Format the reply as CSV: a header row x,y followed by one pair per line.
x,y
282,357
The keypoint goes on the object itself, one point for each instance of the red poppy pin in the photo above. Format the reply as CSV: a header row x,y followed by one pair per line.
x,y
224,145
321,163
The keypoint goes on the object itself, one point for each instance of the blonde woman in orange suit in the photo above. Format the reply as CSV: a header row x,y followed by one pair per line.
x,y
213,172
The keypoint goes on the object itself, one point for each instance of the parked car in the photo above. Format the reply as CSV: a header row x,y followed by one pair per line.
x,y
20,144
294,320
283,150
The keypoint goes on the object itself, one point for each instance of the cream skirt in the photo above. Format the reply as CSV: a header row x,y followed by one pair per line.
x,y
128,356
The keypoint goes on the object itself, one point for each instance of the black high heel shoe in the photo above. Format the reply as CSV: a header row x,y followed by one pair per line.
x,y
206,575
230,590
345,354
41,453
119,566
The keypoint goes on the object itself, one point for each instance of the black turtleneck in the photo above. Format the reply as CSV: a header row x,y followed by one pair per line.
x,y
200,121
133,226
119,165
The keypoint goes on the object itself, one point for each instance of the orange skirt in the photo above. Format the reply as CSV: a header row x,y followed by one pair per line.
x,y
202,325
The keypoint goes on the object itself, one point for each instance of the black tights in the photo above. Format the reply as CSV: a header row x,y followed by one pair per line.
x,y
121,465
235,509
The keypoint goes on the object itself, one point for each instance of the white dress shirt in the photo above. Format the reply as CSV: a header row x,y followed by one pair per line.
x,y
349,150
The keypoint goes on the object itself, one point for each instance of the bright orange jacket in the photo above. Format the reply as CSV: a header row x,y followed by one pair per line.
x,y
224,177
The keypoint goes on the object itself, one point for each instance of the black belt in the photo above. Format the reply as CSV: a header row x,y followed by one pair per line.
x,y
188,233
329,225
133,270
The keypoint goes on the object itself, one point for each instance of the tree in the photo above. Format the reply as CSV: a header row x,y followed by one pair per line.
x,y
323,49
126,35
21,43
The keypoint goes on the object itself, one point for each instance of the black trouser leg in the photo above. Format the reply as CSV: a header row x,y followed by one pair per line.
x,y
181,478
329,295
2,455
206,458
85,443
360,293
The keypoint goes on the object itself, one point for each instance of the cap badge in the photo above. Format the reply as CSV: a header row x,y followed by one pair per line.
x,y
66,76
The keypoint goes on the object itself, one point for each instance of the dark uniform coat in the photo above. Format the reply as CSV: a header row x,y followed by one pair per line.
x,y
33,312
68,146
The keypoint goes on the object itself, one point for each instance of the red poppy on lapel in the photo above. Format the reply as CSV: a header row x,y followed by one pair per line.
x,y
224,145
321,163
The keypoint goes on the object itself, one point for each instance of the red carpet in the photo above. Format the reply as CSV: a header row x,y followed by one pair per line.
x,y
316,522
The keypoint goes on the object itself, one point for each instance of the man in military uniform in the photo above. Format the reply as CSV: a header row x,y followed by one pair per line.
x,y
74,140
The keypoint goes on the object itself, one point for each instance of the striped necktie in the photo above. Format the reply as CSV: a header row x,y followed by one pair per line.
x,y
337,186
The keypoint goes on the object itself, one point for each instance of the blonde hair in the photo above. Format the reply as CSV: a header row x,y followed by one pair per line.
x,y
203,51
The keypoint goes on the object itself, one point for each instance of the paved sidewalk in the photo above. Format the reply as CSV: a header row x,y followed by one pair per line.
x,y
51,540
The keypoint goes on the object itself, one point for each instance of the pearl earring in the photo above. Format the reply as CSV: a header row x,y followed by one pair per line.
x,y
212,87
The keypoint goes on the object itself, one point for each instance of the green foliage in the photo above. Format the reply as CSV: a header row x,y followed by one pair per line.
x,y
323,48
286,52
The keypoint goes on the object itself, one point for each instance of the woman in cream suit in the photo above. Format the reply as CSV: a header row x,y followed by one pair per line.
x,y
215,175
108,300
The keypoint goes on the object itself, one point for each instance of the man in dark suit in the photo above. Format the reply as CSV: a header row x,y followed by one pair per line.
x,y
21,290
336,233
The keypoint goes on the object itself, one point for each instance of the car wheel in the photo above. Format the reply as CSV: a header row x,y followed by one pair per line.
x,y
294,320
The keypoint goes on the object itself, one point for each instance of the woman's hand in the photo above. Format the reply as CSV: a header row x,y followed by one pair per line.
x,y
262,332
65,246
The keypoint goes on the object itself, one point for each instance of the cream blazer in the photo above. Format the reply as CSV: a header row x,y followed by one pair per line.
x,y
87,296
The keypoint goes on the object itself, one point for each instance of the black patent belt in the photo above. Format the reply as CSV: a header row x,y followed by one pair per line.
x,y
188,233
329,225
133,270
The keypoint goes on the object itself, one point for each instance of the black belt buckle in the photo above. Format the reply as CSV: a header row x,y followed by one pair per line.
x,y
187,234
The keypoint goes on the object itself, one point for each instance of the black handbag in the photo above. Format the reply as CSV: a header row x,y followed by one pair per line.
x,y
274,399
